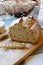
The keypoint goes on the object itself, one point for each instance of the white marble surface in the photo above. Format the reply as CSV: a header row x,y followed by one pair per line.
x,y
35,60
40,50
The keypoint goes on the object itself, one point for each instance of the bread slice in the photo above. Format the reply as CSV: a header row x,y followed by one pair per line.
x,y
28,32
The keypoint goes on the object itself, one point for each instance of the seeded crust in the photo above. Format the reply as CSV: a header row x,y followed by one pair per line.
x,y
18,7
29,32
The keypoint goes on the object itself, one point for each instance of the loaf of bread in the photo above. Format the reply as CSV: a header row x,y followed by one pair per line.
x,y
19,7
25,30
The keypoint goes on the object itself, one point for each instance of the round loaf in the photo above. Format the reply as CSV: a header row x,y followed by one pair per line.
x,y
19,7
25,30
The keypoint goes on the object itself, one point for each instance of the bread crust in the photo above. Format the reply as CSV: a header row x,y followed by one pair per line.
x,y
19,8
29,32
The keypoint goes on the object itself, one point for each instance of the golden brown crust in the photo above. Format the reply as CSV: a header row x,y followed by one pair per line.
x,y
30,32
31,22
21,21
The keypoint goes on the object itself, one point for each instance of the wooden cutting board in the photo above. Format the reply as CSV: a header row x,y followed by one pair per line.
x,y
14,57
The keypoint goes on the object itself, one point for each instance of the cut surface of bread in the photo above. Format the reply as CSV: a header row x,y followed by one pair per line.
x,y
28,32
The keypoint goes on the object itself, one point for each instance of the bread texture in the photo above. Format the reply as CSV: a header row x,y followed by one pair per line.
x,y
19,7
25,30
